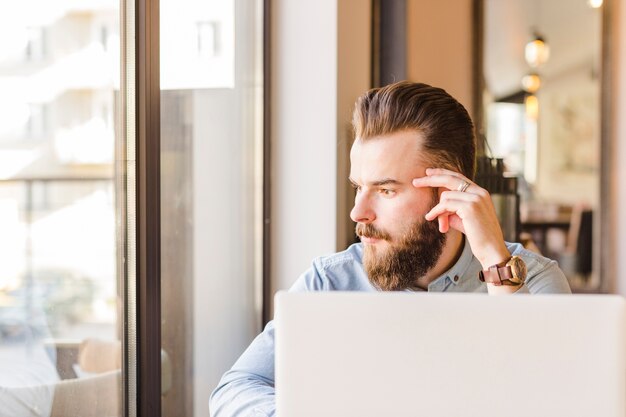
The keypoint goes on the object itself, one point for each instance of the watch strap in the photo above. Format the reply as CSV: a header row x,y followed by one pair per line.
x,y
499,274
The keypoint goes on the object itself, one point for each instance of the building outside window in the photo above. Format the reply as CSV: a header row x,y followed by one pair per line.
x,y
65,299
59,322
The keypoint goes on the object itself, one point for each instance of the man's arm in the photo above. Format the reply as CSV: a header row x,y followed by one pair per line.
x,y
544,275
467,207
247,389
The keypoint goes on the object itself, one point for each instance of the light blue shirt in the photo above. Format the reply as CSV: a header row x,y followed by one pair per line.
x,y
247,389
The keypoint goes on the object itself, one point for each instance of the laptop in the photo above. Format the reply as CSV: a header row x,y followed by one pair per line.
x,y
399,354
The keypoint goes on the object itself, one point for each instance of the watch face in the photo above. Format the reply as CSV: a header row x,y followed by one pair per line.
x,y
518,268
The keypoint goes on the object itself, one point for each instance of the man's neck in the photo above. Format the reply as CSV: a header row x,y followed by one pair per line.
x,y
450,254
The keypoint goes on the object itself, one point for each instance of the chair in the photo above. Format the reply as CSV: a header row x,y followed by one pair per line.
x,y
580,239
93,396
96,393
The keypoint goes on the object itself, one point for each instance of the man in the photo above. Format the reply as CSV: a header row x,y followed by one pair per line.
x,y
424,226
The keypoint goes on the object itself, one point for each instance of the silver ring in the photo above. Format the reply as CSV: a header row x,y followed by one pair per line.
x,y
463,186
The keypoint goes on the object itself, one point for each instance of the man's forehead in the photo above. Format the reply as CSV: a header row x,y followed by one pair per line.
x,y
402,142
398,157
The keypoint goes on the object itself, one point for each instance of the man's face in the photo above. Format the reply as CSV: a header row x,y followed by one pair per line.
x,y
399,244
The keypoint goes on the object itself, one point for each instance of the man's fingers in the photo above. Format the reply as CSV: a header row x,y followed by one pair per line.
x,y
444,224
443,171
446,181
448,206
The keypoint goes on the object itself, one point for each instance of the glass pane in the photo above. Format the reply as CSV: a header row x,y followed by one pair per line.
x,y
59,329
211,183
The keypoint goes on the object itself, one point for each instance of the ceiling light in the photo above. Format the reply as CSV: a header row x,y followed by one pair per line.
x,y
596,4
537,51
531,104
531,83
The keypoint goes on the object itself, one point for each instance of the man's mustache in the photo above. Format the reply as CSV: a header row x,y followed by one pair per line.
x,y
367,230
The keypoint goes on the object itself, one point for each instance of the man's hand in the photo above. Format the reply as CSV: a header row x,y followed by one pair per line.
x,y
470,211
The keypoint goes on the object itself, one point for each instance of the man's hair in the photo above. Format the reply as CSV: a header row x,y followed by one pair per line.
x,y
447,129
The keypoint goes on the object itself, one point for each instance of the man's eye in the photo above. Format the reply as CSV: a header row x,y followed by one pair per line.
x,y
356,187
387,192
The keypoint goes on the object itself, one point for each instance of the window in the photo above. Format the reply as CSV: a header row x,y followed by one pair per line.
x,y
76,208
209,42
36,46
59,324
211,193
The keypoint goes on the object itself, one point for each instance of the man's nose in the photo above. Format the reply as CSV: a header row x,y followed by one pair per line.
x,y
362,212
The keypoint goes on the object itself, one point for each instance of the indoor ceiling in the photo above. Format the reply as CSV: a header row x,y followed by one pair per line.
x,y
571,28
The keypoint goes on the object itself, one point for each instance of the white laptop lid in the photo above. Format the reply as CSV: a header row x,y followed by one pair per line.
x,y
406,354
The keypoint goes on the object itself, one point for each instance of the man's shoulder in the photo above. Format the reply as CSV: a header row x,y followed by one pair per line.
x,y
354,253
534,261
544,274
341,271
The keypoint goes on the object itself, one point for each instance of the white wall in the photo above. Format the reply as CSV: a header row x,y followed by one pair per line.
x,y
303,125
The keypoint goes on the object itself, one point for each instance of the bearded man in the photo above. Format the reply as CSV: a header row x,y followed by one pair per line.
x,y
424,225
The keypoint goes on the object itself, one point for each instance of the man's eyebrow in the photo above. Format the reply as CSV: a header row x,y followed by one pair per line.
x,y
385,181
378,183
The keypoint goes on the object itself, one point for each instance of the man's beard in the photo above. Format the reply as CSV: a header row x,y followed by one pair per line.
x,y
400,266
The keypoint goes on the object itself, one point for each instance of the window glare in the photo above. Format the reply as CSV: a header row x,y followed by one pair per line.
x,y
197,44
59,77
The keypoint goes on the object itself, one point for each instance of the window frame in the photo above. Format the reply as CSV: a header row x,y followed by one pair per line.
x,y
138,179
138,183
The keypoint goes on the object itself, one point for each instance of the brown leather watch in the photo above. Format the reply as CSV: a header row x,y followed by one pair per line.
x,y
509,272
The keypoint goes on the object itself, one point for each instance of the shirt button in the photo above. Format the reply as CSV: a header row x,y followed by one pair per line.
x,y
456,278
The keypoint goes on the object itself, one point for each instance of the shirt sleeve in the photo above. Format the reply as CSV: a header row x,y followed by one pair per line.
x,y
549,279
544,275
247,389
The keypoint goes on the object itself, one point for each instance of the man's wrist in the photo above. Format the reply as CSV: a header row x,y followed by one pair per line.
x,y
502,289
494,257
511,272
